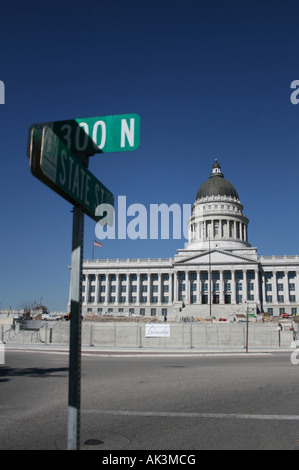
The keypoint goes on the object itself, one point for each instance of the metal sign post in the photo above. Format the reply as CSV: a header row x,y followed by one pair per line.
x,y
73,430
59,153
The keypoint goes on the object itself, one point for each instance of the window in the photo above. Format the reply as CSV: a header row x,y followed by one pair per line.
x,y
155,299
193,276
165,288
142,311
239,298
250,296
103,288
227,286
216,276
280,275
143,300
292,286
153,312
113,288
280,298
268,275
281,310
134,277
239,286
91,298
182,287
182,276
250,286
250,274
155,288
292,298
193,287
123,288
294,310
113,277
144,278
279,287
164,312
155,277
165,277
204,286
239,275
227,275
269,298
144,288
193,299
134,288
165,299
292,275
204,276
268,287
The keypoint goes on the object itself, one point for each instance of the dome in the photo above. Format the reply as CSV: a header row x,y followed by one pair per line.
x,y
217,185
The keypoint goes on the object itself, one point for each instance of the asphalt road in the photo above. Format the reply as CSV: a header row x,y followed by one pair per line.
x,y
161,402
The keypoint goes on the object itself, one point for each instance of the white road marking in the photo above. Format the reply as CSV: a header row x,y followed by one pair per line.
x,y
174,414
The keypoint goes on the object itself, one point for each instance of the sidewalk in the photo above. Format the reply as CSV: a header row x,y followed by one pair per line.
x,y
116,351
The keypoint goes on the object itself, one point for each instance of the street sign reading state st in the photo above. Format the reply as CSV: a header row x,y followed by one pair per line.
x,y
106,134
55,165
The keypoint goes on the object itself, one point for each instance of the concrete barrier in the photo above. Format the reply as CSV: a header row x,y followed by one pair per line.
x,y
182,335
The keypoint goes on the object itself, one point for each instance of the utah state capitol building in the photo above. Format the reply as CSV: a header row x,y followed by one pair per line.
x,y
218,273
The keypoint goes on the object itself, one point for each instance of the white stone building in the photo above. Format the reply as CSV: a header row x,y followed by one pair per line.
x,y
218,273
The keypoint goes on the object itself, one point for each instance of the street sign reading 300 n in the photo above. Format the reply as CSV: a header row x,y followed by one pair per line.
x,y
107,134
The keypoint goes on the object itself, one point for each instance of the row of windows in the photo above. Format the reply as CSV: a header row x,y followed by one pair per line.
x,y
227,275
153,311
132,299
123,277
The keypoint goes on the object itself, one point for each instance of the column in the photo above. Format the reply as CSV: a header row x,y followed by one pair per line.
x,y
245,286
175,283
97,292
107,291
138,289
233,300
159,288
127,288
170,290
149,281
286,287
187,283
87,287
221,287
198,290
275,300
117,288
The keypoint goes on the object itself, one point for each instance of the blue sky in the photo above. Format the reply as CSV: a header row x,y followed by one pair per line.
x,y
208,79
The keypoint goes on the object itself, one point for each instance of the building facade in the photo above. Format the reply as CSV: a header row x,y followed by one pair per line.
x,y
218,273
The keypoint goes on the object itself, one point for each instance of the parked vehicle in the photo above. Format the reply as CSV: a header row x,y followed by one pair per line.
x,y
50,317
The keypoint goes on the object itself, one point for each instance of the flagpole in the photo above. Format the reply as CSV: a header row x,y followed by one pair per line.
x,y
93,249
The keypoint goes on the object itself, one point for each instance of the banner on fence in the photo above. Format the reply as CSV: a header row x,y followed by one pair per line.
x,y
157,331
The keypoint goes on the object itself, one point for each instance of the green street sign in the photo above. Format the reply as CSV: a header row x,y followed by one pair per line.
x,y
106,134
55,165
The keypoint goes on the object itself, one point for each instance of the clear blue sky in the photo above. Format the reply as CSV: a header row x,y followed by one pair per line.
x,y
208,79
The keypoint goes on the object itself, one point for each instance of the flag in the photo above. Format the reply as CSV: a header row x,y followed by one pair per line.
x,y
96,243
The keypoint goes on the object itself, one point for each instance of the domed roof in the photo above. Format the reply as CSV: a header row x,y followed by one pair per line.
x,y
217,185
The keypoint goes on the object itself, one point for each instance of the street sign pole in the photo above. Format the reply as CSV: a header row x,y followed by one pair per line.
x,y
73,437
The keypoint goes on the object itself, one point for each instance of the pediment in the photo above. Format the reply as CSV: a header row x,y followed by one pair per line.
x,y
215,257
